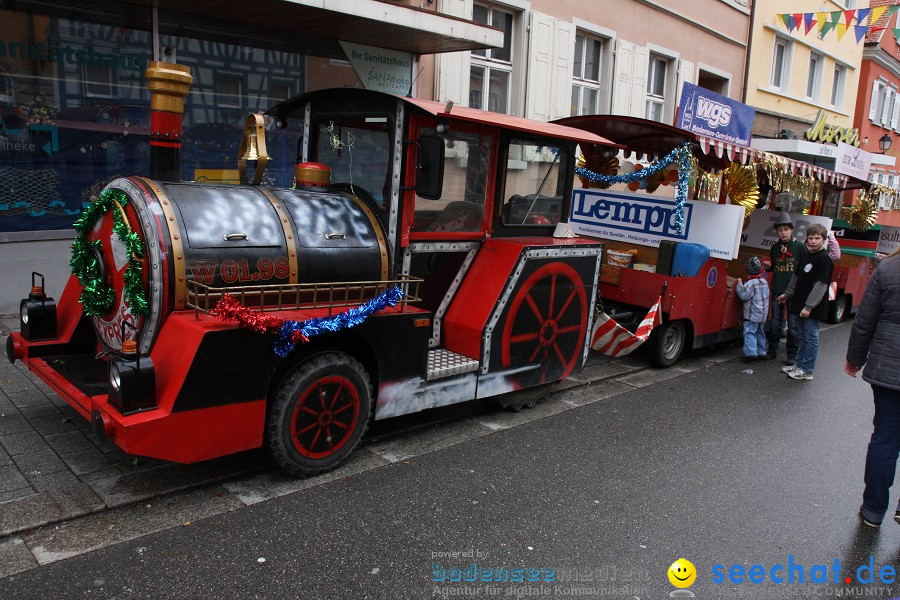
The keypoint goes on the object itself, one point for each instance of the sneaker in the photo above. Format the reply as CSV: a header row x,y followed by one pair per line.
x,y
790,362
800,374
788,369
749,359
867,522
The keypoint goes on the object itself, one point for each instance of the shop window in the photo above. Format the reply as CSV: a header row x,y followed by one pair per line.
x,y
781,60
460,208
99,81
534,186
837,86
657,79
491,70
229,91
586,73
814,76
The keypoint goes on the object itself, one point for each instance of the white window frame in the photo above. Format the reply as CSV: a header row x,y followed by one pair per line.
x,y
838,83
724,75
653,99
488,63
582,83
785,76
814,77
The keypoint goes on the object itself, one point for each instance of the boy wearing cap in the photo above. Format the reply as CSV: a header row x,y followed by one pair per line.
x,y
755,296
785,254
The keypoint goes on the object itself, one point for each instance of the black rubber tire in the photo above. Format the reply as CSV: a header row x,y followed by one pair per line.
x,y
667,343
837,309
334,375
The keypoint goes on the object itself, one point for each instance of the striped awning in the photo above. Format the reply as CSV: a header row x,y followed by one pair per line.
x,y
745,155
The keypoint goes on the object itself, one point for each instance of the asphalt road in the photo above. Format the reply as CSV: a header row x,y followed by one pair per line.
x,y
724,468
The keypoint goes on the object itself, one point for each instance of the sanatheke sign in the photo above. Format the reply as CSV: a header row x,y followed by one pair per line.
x,y
380,69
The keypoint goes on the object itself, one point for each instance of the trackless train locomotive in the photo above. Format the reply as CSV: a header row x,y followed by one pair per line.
x,y
226,323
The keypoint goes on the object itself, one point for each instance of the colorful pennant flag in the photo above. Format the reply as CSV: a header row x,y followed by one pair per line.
x,y
876,14
808,21
842,30
821,20
848,17
860,31
861,15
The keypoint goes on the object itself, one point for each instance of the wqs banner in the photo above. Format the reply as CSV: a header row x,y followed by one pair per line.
x,y
647,220
714,116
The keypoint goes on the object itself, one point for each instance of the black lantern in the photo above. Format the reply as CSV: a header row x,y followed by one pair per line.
x,y
37,313
132,378
884,143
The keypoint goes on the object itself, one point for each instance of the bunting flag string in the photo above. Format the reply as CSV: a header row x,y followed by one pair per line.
x,y
860,20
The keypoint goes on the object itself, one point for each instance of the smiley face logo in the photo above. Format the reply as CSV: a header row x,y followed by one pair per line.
x,y
682,573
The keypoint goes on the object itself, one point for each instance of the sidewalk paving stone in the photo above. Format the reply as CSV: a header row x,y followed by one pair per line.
x,y
70,441
23,443
38,463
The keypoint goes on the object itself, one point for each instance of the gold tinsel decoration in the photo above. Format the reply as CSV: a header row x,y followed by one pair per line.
x,y
741,186
863,214
598,163
655,180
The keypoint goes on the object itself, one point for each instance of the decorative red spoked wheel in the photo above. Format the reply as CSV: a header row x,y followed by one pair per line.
x,y
319,414
114,262
547,322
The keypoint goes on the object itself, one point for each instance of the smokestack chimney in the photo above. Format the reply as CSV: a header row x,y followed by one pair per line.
x,y
168,84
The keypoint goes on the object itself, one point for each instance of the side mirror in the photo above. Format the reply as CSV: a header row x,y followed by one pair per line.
x,y
430,170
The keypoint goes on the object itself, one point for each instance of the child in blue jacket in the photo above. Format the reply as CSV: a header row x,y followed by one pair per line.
x,y
755,296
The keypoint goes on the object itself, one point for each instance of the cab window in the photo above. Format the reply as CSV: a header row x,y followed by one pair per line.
x,y
460,208
358,151
534,184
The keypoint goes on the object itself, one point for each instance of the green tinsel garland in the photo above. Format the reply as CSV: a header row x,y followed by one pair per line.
x,y
98,297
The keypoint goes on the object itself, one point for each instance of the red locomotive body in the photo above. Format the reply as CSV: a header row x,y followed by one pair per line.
x,y
454,207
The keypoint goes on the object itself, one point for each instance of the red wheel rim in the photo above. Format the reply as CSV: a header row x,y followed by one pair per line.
x,y
109,326
325,417
539,324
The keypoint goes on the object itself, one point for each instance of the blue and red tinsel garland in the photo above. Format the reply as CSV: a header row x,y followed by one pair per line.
x,y
682,154
290,333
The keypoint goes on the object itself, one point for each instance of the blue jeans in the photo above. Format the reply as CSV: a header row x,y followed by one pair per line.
x,y
881,459
754,339
776,325
808,334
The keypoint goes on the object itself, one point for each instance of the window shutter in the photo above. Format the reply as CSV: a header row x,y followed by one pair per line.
x,y
639,81
873,104
453,68
685,73
540,57
561,88
886,109
895,113
624,67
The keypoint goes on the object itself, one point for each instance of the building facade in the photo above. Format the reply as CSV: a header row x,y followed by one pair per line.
x,y
878,106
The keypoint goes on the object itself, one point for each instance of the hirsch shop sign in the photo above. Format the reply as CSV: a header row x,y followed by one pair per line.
x,y
852,161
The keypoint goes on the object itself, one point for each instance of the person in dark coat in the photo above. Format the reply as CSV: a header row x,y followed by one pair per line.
x,y
875,343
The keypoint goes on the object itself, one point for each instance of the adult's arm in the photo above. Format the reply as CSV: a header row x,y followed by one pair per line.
x,y
865,322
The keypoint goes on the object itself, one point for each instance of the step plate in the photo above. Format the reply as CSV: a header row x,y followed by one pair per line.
x,y
443,363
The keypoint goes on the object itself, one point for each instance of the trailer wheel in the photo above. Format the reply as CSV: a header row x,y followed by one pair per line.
x,y
666,344
837,309
319,414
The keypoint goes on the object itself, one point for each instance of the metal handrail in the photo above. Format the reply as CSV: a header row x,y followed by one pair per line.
x,y
203,298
